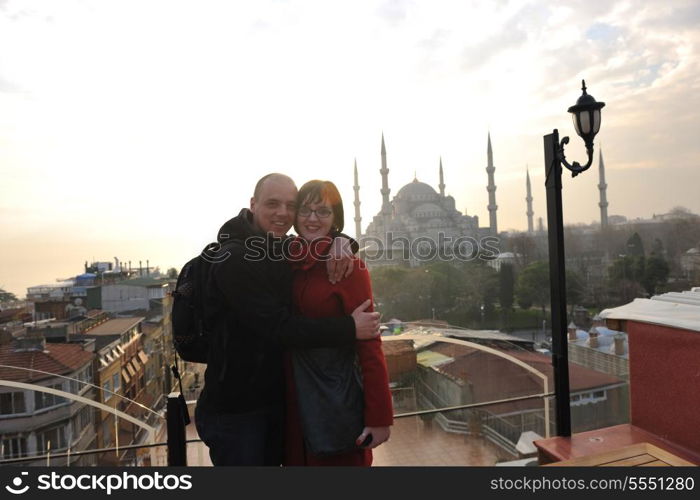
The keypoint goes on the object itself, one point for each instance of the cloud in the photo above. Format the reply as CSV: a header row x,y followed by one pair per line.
x,y
435,41
394,11
602,31
687,16
7,86
480,54
511,34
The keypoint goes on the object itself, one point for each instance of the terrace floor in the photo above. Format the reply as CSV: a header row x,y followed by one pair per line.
x,y
412,443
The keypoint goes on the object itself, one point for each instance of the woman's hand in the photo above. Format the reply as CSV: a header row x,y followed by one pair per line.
x,y
379,435
340,264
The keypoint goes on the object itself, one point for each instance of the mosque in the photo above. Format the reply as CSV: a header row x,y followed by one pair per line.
x,y
419,214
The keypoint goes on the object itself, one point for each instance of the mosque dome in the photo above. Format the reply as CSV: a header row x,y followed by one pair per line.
x,y
417,191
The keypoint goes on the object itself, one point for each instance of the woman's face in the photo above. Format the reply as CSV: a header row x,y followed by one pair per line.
x,y
314,220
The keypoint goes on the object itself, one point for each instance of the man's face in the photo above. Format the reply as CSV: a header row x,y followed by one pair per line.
x,y
275,208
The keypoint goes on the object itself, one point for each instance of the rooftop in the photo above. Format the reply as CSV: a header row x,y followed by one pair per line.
x,y
115,326
61,359
144,282
679,310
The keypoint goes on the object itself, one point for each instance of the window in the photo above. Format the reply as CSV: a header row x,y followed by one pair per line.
x,y
82,420
588,397
107,430
45,400
116,382
51,439
106,390
13,447
81,379
11,403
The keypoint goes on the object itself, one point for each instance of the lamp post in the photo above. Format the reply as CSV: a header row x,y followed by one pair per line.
x,y
586,116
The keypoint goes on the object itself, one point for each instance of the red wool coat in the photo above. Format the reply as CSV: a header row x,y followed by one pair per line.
x,y
315,297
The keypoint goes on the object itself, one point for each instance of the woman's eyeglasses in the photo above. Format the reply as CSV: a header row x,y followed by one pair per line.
x,y
321,213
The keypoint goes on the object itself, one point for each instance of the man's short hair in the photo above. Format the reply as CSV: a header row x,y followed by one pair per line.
x,y
259,185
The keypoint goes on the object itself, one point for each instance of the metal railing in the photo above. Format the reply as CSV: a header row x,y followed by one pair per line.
x,y
176,416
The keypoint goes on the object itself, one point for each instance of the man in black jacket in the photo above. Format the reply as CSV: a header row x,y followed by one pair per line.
x,y
248,310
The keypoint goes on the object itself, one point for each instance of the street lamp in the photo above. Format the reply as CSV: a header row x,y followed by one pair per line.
x,y
586,117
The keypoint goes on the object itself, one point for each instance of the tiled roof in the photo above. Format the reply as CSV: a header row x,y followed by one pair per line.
x,y
495,379
580,378
61,359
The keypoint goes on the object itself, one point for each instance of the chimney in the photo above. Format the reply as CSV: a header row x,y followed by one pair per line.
x,y
29,341
572,332
593,338
619,344
598,321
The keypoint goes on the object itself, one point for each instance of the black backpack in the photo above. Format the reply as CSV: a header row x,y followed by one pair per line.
x,y
190,335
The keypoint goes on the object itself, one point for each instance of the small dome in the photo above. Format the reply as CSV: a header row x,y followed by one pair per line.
x,y
428,210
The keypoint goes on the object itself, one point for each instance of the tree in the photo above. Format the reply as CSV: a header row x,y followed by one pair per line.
x,y
656,273
635,275
7,296
635,247
525,249
506,286
627,268
171,273
533,285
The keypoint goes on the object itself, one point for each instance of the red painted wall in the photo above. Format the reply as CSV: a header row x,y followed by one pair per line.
x,y
665,382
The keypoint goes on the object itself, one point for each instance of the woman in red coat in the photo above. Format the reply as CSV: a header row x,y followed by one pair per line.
x,y
320,211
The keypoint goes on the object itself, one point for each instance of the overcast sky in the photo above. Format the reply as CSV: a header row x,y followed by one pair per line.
x,y
135,128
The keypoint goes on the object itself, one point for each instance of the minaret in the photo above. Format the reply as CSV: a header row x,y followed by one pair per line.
x,y
602,186
358,218
528,199
386,206
490,169
442,180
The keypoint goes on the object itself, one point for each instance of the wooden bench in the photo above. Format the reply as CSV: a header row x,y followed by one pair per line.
x,y
636,455
600,441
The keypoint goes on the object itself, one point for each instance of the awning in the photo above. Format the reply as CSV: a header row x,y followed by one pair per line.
x,y
129,367
127,379
143,357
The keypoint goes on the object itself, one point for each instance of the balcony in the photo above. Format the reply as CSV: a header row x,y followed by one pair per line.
x,y
482,398
664,346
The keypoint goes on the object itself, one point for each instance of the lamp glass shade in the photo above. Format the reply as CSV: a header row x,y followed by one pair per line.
x,y
574,117
596,121
585,119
